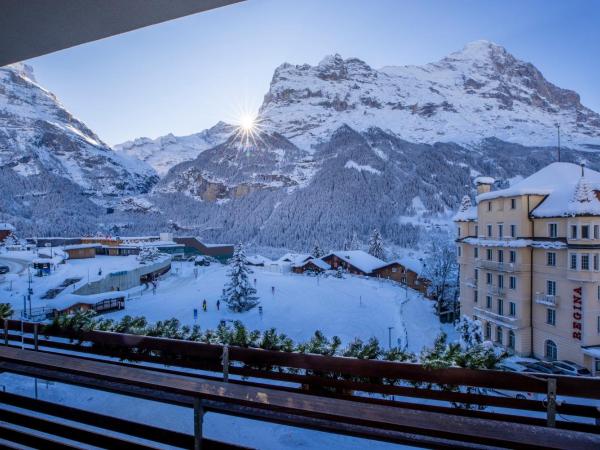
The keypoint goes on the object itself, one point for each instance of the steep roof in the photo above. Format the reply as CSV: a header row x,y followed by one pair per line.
x,y
317,262
359,259
567,192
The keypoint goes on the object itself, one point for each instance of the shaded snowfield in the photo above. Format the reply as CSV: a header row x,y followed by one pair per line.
x,y
349,308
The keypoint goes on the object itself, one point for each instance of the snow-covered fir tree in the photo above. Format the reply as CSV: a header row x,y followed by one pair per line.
x,y
317,251
239,294
148,255
465,204
354,242
376,247
441,269
470,332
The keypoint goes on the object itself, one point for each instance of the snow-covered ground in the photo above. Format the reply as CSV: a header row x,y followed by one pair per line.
x,y
350,307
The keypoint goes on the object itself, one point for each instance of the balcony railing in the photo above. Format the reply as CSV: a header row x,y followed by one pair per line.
x,y
501,266
497,291
471,282
546,299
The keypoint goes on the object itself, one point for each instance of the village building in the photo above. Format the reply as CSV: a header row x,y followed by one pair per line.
x,y
529,259
81,251
312,265
6,229
405,271
355,262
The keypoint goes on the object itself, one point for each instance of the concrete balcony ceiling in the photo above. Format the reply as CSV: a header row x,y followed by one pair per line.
x,y
36,27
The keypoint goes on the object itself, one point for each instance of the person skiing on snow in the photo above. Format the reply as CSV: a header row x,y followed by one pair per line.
x,y
204,305
218,305
273,290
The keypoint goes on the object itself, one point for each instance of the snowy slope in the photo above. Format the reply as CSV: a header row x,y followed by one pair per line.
x,y
479,92
167,151
39,136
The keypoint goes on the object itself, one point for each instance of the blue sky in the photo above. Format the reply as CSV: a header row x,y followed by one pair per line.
x,y
185,75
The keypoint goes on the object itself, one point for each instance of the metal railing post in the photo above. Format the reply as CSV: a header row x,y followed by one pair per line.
x,y
198,423
35,336
551,408
225,363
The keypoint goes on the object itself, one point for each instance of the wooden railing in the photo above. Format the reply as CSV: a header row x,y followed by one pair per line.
x,y
369,383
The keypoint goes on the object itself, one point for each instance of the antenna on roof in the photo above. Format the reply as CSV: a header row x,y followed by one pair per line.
x,y
558,134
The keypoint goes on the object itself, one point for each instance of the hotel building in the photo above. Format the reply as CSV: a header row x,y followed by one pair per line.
x,y
529,259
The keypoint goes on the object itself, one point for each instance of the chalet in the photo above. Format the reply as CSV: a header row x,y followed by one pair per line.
x,y
406,271
356,262
313,265
258,261
81,251
6,229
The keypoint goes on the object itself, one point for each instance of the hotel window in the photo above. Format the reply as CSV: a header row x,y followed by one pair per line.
x,y
551,316
513,256
512,309
489,231
458,250
598,293
458,231
585,231
488,278
476,275
513,231
500,281
585,261
551,351
500,231
499,335
553,230
598,324
488,330
476,252
488,301
551,259
489,206
489,254
596,262
475,296
500,307
596,231
500,256
573,231
550,287
512,282
513,203
573,261
511,339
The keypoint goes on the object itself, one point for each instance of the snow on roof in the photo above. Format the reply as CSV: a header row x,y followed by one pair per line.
x,y
359,259
567,192
80,246
5,226
592,351
466,215
317,262
484,180
258,259
294,258
411,263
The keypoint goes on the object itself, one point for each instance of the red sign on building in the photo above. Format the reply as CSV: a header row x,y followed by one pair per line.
x,y
577,314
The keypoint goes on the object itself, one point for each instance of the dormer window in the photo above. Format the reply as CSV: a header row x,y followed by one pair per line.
x,y
585,232
513,203
573,231
489,204
553,230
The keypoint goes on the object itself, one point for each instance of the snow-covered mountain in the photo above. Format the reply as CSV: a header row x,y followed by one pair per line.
x,y
167,151
38,136
479,92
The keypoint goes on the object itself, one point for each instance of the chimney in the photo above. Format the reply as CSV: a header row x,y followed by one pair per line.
x,y
484,184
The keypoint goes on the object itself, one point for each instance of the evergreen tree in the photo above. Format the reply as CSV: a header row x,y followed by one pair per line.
x,y
470,333
5,310
441,269
465,204
318,251
354,243
148,255
239,294
376,247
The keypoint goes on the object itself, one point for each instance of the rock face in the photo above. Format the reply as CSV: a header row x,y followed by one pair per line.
x,y
479,92
38,136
